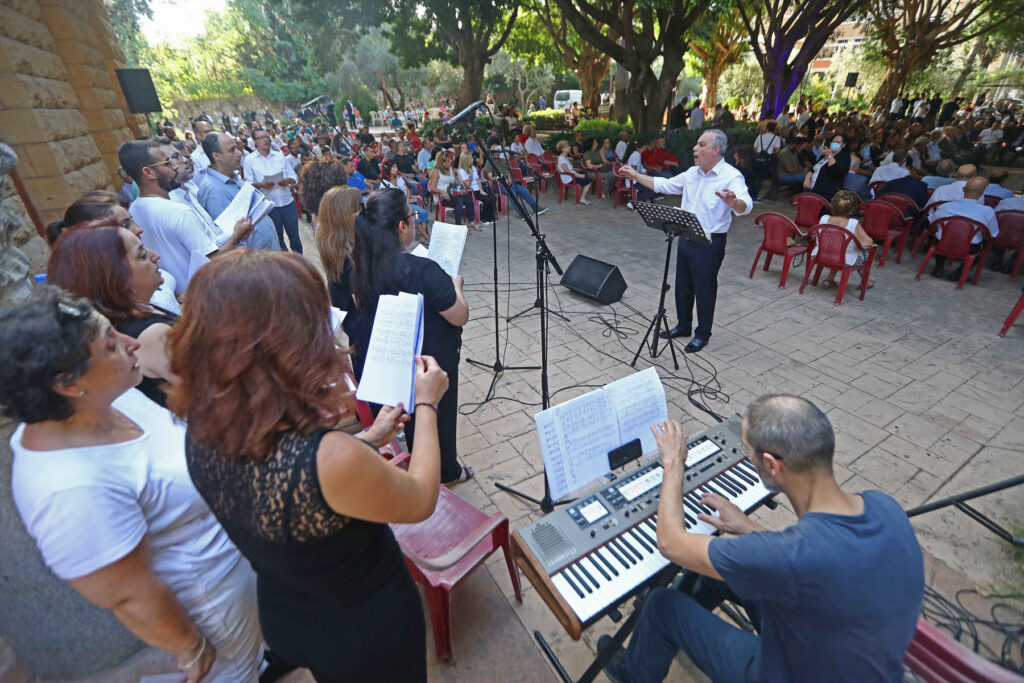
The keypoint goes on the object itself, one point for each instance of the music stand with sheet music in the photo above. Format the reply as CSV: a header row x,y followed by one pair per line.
x,y
674,223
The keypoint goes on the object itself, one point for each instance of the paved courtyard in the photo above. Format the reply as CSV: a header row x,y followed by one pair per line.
x,y
925,398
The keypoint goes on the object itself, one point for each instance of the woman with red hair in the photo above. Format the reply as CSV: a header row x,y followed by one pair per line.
x,y
307,505
111,267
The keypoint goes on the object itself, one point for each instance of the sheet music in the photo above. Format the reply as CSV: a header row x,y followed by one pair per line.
x,y
397,337
584,431
637,401
420,250
195,262
576,436
259,207
447,242
236,210
337,318
272,178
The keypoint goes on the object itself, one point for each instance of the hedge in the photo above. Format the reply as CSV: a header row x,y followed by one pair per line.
x,y
546,119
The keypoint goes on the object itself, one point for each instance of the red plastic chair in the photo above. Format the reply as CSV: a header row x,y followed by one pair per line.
x,y
517,175
1013,316
809,208
832,242
936,658
955,243
549,160
876,188
445,548
539,171
991,200
621,188
564,188
927,229
884,221
906,205
777,229
1011,237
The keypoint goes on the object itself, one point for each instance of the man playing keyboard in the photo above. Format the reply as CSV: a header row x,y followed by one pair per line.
x,y
835,597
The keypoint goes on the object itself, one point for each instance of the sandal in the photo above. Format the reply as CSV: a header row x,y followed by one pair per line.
x,y
465,475
828,284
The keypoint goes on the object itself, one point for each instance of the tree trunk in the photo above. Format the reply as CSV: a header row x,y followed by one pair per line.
x,y
976,50
591,71
649,95
780,82
472,77
898,67
711,78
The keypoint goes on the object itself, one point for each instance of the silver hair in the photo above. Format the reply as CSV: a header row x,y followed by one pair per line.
x,y
719,140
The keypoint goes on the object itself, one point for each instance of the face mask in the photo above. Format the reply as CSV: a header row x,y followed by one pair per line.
x,y
836,146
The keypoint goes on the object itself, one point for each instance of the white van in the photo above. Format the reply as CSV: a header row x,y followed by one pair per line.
x,y
564,99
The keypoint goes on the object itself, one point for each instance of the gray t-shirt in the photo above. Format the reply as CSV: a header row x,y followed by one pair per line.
x,y
839,596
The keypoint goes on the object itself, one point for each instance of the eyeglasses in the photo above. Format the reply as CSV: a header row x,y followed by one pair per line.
x,y
174,157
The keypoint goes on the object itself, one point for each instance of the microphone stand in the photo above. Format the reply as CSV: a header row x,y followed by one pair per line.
x,y
545,261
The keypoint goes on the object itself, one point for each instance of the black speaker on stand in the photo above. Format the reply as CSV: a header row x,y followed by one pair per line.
x,y
851,79
139,91
593,278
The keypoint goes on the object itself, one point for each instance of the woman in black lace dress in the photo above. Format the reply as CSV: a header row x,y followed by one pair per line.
x,y
260,383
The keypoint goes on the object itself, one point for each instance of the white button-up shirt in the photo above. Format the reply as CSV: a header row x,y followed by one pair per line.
x,y
698,190
1010,204
256,167
533,146
974,209
888,172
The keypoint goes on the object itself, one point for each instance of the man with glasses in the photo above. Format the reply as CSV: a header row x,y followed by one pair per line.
x,y
173,230
835,596
270,172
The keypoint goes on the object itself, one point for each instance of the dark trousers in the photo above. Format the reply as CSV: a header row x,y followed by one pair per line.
x,y
447,426
286,219
487,204
697,280
463,206
673,621
940,261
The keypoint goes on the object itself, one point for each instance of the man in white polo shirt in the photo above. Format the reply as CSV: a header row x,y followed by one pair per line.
x,y
269,171
173,230
714,191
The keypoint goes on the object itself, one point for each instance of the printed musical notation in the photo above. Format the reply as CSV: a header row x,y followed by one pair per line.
x,y
396,338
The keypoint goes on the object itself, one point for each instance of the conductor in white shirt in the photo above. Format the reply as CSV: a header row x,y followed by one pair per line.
x,y
269,163
714,191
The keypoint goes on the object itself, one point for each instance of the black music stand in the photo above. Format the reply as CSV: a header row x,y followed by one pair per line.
x,y
674,223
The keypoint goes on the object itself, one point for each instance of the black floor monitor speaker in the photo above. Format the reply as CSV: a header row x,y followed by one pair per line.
x,y
593,278
138,89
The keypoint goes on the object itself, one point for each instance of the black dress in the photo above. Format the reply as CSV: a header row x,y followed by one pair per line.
x,y
334,593
152,387
441,339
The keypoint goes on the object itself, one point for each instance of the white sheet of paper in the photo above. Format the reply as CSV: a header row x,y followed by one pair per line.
x,y
397,337
195,262
584,431
337,318
261,206
236,210
272,178
447,242
637,401
420,250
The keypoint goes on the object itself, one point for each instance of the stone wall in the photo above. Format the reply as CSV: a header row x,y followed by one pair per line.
x,y
61,106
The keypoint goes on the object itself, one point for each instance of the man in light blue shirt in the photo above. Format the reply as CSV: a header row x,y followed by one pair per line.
x,y
972,206
995,184
943,175
220,185
355,178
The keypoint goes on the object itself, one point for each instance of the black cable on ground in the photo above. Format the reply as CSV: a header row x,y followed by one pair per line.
x,y
1005,619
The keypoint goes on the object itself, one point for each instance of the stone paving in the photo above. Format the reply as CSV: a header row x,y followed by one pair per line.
x,y
925,398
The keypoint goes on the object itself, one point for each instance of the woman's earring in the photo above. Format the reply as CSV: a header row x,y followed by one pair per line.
x,y
81,392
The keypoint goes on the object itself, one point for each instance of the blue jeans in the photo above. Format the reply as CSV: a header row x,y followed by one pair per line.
x,y
523,194
673,621
421,213
286,219
791,178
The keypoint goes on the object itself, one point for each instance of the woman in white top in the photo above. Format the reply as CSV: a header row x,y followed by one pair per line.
x,y
469,178
100,481
569,175
446,191
843,204
390,177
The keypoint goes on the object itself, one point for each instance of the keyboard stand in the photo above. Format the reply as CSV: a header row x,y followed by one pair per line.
x,y
662,578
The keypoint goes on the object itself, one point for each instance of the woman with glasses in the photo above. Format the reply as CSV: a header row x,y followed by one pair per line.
x,y
380,266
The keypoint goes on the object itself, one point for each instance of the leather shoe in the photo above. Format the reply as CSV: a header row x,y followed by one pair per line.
x,y
677,331
617,670
696,344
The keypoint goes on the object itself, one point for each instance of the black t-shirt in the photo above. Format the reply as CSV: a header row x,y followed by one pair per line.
x,y
152,387
366,138
369,169
341,290
441,339
405,163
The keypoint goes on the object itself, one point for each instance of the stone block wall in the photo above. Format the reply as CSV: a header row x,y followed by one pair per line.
x,y
61,106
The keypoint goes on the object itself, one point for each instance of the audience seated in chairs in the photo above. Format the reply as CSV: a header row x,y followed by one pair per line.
x,y
908,186
855,181
843,204
100,481
955,189
970,206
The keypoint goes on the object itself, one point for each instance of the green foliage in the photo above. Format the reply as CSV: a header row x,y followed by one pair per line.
x,y
681,141
587,125
482,129
524,81
546,119
125,17
741,82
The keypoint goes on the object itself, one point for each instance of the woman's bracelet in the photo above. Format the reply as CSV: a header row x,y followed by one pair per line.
x,y
426,405
202,649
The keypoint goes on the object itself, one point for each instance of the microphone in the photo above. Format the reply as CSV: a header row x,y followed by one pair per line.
x,y
466,114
